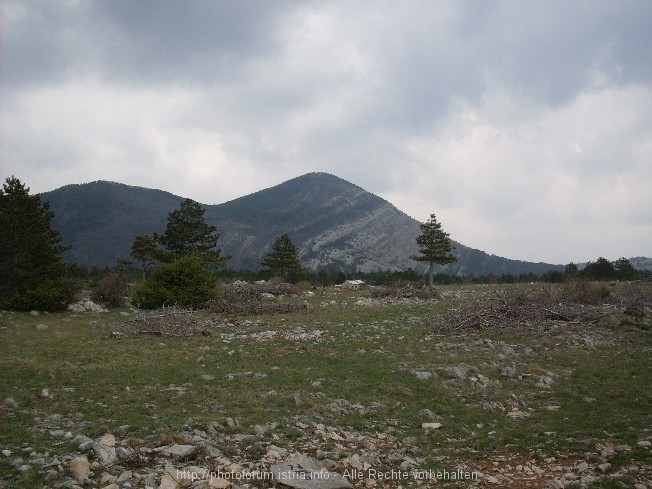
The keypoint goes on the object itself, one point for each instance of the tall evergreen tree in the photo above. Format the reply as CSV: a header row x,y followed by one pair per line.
x,y
189,249
32,275
625,270
188,233
283,259
601,269
146,250
435,246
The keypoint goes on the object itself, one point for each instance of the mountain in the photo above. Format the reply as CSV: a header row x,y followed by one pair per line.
x,y
336,225
641,263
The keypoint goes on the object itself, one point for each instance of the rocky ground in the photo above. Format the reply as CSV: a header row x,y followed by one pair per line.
x,y
511,414
379,460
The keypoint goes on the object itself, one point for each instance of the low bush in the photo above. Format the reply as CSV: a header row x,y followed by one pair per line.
x,y
185,283
44,295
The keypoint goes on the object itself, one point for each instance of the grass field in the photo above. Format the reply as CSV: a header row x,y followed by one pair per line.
x,y
351,381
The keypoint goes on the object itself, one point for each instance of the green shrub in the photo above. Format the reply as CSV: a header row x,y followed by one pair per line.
x,y
185,283
44,295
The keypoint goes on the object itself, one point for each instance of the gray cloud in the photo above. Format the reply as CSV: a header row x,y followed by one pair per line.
x,y
514,121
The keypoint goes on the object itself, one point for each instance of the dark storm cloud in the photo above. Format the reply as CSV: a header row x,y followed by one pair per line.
x,y
138,41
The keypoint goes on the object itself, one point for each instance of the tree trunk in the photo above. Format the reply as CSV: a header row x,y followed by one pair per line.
x,y
430,277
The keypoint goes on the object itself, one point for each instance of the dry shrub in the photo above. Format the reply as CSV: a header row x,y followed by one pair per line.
x,y
170,321
244,299
402,291
584,292
112,289
634,295
535,310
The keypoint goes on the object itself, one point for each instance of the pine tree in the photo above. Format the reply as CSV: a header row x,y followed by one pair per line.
x,y
32,275
435,246
625,270
188,233
283,259
146,250
189,250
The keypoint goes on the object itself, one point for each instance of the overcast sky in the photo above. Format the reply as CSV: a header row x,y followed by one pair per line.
x,y
525,126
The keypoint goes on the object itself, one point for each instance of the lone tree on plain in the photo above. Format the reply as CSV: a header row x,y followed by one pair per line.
x,y
283,259
435,246
32,275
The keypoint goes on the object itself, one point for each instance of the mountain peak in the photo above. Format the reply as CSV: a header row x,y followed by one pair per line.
x,y
334,223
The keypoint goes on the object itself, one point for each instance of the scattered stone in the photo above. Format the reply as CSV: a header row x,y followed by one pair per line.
x,y
125,453
83,443
517,414
305,473
6,453
104,449
604,467
422,375
459,372
431,426
10,402
491,479
41,327
508,372
260,429
108,440
86,306
545,381
644,444
181,452
124,477
80,468
582,467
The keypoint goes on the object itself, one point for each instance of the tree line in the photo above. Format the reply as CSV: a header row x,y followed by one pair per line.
x,y
181,266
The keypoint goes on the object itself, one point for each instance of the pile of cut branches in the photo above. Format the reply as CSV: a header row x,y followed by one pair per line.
x,y
401,291
244,299
275,288
536,310
169,321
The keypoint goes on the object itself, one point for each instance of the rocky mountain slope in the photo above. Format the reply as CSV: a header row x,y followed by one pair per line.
x,y
336,225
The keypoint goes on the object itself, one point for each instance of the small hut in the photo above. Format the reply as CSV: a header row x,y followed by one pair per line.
x,y
353,284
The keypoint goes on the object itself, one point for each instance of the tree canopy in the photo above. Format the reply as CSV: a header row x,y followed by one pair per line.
x,y
189,250
188,233
435,246
146,250
283,259
32,275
